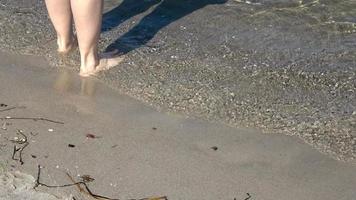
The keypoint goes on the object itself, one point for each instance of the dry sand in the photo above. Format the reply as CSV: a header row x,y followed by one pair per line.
x,y
144,153
19,186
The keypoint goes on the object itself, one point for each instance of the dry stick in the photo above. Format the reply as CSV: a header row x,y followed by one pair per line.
x,y
157,198
86,191
20,155
31,118
14,152
249,196
38,183
23,141
38,177
21,150
102,197
78,186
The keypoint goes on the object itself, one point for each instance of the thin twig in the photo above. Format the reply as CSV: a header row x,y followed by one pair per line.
x,y
249,196
14,152
20,141
7,109
38,183
38,177
86,190
31,118
21,150
23,141
78,186
155,198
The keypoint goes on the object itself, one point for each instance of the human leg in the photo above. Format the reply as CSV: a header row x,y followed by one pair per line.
x,y
61,17
87,18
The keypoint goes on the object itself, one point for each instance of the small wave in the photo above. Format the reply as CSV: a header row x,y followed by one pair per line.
x,y
281,4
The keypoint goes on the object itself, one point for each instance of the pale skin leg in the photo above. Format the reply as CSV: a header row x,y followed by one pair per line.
x,y
61,15
87,16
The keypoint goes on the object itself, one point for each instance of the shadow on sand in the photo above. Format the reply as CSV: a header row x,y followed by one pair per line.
x,y
165,12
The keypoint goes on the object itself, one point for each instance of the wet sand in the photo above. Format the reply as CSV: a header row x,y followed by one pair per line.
x,y
285,67
141,153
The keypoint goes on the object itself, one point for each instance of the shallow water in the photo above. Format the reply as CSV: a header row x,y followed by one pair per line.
x,y
279,31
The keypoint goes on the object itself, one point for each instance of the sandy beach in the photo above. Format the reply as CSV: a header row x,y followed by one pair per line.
x,y
285,67
215,99
134,152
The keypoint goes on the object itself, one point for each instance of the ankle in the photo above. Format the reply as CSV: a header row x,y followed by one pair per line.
x,y
64,43
89,60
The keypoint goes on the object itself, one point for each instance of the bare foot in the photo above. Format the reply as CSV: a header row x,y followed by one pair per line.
x,y
65,49
107,61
